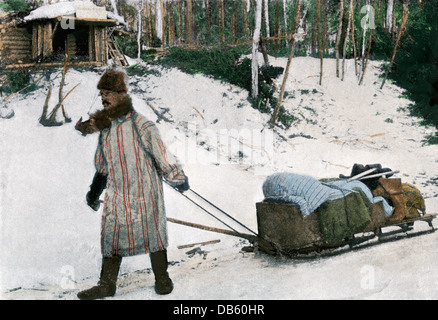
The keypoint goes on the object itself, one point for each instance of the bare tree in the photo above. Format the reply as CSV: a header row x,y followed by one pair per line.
x,y
266,15
318,33
255,49
285,19
139,31
325,28
338,35
158,20
389,15
347,35
399,35
289,62
189,25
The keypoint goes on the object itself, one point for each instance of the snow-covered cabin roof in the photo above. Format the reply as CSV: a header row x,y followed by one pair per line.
x,y
78,9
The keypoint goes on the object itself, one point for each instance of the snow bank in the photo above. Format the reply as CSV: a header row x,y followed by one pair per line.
x,y
50,238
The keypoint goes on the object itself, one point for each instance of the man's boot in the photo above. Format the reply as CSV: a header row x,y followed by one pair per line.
x,y
106,286
163,284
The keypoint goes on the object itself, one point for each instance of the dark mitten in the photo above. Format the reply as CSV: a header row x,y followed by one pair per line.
x,y
183,186
96,189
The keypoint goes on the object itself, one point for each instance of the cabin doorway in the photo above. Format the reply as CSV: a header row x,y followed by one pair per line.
x,y
71,41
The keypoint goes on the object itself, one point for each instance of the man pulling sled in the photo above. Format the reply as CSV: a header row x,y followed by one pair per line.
x,y
131,160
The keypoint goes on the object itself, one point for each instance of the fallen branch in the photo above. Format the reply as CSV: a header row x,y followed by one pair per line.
x,y
158,114
198,244
199,113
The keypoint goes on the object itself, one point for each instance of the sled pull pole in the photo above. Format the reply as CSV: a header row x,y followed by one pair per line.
x,y
203,209
360,175
222,211
207,228
379,175
262,244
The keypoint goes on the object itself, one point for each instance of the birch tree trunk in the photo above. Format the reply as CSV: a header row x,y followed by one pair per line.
x,y
347,36
353,40
389,11
289,62
158,20
318,34
364,34
338,35
255,49
286,28
139,31
266,11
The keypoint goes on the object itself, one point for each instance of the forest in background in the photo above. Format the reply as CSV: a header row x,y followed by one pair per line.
x,y
209,36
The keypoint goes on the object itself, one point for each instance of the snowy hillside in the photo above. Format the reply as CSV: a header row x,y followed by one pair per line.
x,y
50,238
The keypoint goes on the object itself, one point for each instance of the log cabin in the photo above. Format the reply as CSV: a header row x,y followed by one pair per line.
x,y
49,34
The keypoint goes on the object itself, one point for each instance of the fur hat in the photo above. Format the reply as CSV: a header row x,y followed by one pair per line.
x,y
113,80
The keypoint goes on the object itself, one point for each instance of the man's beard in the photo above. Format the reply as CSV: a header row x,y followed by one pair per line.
x,y
102,119
106,104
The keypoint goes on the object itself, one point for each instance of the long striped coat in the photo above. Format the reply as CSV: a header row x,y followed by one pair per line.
x,y
133,156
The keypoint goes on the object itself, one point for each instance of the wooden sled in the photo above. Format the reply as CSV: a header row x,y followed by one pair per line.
x,y
295,235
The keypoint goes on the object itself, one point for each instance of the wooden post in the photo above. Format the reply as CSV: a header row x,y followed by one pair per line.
x,y
105,45
91,43
98,43
34,41
40,40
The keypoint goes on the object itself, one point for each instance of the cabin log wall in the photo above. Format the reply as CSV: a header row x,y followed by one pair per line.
x,y
15,43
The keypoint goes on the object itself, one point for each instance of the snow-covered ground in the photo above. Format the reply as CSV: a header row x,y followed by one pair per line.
x,y
50,238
